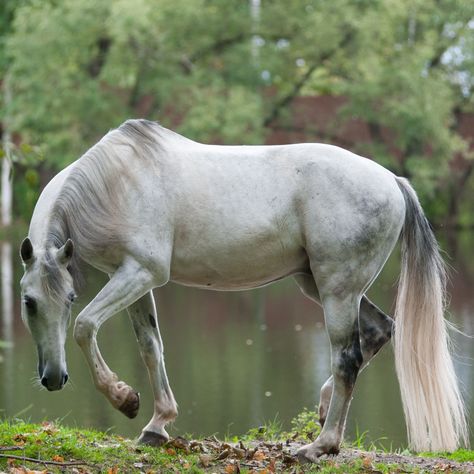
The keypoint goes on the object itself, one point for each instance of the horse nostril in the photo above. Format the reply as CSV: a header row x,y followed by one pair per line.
x,y
44,382
65,379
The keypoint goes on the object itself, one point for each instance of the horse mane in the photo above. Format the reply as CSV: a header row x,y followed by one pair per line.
x,y
89,208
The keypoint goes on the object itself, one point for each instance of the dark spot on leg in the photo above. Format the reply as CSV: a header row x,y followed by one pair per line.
x,y
152,320
351,359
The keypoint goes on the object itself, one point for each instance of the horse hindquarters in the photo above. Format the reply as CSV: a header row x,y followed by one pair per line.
x,y
354,253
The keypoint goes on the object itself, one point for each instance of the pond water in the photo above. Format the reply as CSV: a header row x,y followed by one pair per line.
x,y
234,360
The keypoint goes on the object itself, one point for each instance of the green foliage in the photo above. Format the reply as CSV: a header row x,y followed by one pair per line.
x,y
80,67
269,431
306,425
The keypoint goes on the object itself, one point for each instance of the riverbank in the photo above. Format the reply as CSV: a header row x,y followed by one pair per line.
x,y
50,447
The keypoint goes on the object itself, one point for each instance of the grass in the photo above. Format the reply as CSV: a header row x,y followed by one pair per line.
x,y
263,450
461,455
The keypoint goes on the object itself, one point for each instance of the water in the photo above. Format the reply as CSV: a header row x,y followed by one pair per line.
x,y
235,360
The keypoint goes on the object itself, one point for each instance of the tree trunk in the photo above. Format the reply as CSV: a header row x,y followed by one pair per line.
x,y
7,187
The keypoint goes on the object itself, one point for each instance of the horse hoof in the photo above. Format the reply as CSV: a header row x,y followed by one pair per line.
x,y
304,456
131,404
150,438
310,454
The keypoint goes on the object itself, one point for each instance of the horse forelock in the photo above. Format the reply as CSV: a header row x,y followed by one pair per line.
x,y
51,277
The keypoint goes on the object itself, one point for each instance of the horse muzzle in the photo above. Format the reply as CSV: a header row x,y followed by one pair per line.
x,y
53,380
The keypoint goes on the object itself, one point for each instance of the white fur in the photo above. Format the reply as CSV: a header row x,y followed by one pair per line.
x,y
148,206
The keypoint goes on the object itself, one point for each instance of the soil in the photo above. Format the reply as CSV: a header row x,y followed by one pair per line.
x,y
272,457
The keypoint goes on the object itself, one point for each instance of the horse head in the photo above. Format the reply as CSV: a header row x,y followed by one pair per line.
x,y
47,293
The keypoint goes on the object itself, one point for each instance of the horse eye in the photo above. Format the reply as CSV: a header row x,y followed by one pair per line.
x,y
30,304
71,297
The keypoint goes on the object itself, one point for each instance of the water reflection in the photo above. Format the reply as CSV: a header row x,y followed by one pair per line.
x,y
234,359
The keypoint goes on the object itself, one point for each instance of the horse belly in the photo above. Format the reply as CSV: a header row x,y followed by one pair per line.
x,y
239,263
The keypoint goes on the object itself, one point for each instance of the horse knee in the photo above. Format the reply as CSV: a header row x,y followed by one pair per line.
x,y
83,330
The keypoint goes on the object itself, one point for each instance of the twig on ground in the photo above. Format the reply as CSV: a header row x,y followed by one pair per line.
x,y
42,461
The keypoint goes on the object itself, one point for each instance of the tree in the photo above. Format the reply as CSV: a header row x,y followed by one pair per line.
x,y
80,67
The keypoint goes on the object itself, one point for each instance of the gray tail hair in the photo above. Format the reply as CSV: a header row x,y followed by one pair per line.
x,y
434,410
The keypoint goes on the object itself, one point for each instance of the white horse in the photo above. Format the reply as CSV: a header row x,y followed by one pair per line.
x,y
148,206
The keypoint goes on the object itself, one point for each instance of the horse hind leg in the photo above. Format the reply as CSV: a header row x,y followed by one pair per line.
x,y
144,319
341,314
375,329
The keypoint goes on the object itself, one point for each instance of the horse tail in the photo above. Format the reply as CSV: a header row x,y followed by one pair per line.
x,y
434,410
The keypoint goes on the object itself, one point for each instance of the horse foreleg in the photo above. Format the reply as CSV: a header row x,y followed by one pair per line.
x,y
375,331
127,284
145,323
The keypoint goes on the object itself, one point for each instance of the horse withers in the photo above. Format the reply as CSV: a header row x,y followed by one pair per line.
x,y
148,206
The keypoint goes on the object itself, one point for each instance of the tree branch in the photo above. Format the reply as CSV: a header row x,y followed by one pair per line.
x,y
435,61
187,62
285,100
96,64
41,461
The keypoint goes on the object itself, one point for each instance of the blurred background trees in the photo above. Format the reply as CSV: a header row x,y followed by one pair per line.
x,y
220,71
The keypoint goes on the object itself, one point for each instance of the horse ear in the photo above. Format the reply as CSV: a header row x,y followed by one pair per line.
x,y
26,251
65,252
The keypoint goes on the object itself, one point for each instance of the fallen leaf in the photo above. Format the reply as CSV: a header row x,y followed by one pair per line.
x,y
19,439
205,460
239,453
259,455
230,469
24,470
57,458
224,454
48,428
171,452
288,459
179,443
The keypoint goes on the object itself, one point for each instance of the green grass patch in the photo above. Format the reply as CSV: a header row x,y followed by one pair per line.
x,y
98,451
461,455
262,449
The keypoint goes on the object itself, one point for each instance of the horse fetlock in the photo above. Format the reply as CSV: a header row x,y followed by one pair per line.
x,y
124,398
166,411
129,407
